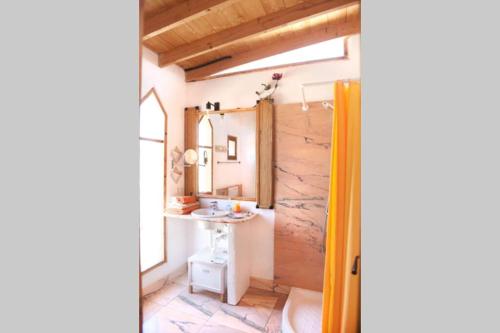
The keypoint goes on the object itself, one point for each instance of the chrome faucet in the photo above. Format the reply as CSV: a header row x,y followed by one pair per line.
x,y
213,205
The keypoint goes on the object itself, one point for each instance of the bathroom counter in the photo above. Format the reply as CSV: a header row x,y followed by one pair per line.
x,y
225,219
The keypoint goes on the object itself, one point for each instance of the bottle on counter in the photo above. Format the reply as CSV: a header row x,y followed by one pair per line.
x,y
236,207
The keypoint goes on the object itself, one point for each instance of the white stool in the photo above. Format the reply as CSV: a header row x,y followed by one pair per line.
x,y
207,272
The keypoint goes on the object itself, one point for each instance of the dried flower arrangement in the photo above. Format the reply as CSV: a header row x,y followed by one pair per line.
x,y
268,86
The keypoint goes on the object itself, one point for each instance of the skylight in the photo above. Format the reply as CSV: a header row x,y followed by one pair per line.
x,y
333,48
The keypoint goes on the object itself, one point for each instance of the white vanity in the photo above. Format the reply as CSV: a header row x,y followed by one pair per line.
x,y
223,266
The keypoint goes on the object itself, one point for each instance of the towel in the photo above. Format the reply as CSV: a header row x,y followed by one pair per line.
x,y
177,205
186,199
185,210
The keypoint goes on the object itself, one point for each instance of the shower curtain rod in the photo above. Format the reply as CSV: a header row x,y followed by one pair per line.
x,y
305,106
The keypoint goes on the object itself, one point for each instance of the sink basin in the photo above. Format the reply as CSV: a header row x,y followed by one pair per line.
x,y
204,213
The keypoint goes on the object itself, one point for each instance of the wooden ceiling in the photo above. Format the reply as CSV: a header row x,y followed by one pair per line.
x,y
208,36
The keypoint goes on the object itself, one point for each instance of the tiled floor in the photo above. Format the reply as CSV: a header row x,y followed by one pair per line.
x,y
172,309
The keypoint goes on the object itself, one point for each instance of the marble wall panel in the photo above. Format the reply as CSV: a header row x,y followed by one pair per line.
x,y
301,184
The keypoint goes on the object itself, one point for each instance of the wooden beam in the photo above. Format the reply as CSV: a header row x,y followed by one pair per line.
x,y
212,112
304,39
264,144
180,14
259,25
191,118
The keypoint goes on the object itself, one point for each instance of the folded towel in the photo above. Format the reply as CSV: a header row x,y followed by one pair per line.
x,y
183,211
186,199
178,205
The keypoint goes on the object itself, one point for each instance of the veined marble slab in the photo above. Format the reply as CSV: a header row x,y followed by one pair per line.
x,y
302,165
258,311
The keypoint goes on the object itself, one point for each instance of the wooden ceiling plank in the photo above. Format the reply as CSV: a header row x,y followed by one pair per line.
x,y
274,5
290,3
252,9
206,25
179,14
212,26
337,17
259,25
152,7
352,13
319,35
217,20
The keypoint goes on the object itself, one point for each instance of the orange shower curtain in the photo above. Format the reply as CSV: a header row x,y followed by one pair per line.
x,y
341,288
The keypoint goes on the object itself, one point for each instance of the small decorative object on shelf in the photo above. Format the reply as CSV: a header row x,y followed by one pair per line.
x,y
220,149
216,106
269,88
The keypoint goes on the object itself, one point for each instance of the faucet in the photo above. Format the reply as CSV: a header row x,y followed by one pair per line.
x,y
213,205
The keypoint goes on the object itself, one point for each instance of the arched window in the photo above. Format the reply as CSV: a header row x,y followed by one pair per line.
x,y
152,181
205,154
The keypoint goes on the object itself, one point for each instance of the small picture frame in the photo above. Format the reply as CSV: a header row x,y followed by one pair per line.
x,y
232,148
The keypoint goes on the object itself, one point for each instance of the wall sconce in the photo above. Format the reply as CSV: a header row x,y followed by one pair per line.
x,y
216,106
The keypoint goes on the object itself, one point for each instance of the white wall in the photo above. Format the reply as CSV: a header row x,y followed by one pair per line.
x,y
243,126
169,83
239,90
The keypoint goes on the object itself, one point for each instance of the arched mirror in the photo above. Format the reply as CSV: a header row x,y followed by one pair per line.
x,y
152,181
205,154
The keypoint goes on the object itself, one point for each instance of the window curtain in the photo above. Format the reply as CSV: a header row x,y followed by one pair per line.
x,y
341,287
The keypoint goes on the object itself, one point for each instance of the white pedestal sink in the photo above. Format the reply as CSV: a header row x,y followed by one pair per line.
x,y
207,217
205,213
238,245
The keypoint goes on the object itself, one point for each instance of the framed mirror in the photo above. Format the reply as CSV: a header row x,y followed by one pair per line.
x,y
232,148
226,145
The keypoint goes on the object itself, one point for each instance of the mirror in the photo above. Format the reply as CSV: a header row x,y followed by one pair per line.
x,y
232,147
227,154
190,157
